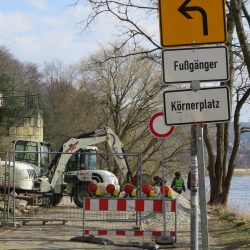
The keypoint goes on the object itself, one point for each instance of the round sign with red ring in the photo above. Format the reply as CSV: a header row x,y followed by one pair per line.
x,y
158,127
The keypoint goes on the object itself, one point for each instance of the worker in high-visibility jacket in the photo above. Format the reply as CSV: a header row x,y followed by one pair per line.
x,y
178,183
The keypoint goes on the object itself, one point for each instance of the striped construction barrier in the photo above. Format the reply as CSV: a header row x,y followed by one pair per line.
x,y
129,205
128,233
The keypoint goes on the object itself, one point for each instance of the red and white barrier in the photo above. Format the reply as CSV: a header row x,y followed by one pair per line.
x,y
127,233
128,205
139,205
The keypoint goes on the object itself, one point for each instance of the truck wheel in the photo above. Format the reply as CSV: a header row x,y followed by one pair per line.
x,y
80,192
56,199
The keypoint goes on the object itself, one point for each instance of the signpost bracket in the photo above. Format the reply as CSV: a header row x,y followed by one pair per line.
x,y
195,85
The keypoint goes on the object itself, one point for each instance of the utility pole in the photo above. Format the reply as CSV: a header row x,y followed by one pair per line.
x,y
202,188
198,173
194,193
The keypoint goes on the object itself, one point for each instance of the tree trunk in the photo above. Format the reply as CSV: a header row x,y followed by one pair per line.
x,y
230,30
236,6
231,166
219,161
211,164
225,157
218,170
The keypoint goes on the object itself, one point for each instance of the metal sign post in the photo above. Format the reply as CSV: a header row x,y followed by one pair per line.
x,y
195,85
197,159
194,232
160,130
163,188
202,189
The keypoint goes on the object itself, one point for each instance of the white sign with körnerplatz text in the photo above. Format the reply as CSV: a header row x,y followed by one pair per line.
x,y
187,106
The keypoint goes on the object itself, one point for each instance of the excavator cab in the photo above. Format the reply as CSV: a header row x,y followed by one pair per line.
x,y
82,159
34,152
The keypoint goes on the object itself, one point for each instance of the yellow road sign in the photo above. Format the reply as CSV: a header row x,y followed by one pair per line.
x,y
189,22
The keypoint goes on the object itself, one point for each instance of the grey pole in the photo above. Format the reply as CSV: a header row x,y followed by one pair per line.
x,y
139,188
195,85
202,188
163,189
14,190
6,185
9,180
194,193
83,216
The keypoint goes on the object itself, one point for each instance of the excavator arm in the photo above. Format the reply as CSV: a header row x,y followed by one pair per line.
x,y
82,141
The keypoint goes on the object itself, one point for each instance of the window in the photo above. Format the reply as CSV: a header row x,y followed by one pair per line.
x,y
82,160
90,160
26,121
27,148
44,162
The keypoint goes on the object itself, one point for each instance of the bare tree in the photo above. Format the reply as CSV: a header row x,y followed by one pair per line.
x,y
23,78
128,91
67,107
136,24
236,7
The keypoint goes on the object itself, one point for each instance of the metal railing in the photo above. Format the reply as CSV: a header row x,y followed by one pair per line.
x,y
23,202
20,101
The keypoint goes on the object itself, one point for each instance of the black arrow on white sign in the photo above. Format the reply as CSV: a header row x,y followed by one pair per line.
x,y
184,9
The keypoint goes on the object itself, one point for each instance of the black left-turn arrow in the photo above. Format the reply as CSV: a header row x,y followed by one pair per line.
x,y
184,9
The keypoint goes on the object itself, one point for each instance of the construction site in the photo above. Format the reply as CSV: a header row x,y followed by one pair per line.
x,y
67,195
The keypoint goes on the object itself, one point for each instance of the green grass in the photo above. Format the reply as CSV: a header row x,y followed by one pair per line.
x,y
231,229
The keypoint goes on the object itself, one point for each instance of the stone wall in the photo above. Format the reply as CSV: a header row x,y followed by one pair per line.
x,y
19,124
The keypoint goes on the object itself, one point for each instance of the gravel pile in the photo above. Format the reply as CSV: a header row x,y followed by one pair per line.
x,y
183,214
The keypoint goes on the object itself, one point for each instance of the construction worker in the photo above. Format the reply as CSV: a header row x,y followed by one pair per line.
x,y
178,183
157,180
